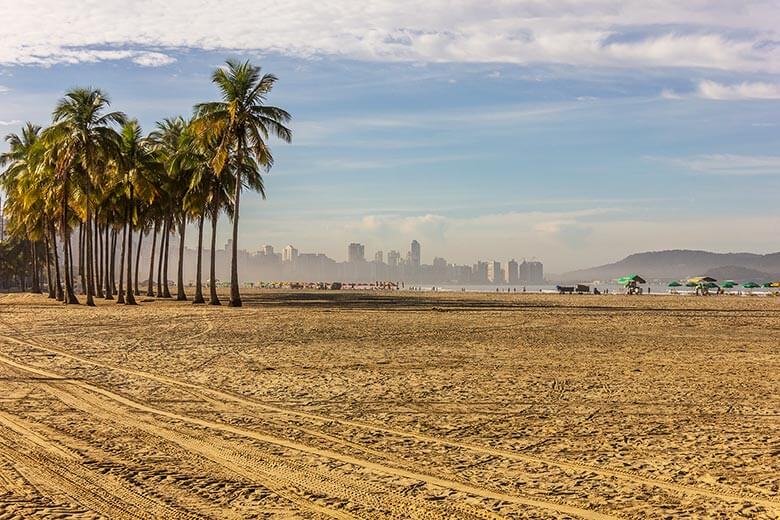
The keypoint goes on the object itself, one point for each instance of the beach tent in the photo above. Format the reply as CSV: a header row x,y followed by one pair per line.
x,y
675,284
625,280
750,285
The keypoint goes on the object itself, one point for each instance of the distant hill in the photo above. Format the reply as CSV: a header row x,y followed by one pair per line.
x,y
739,273
681,263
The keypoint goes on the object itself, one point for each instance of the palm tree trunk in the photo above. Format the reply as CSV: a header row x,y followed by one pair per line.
x,y
113,259
166,289
235,296
69,297
214,299
109,288
70,263
180,295
36,286
150,285
97,263
81,259
120,296
130,297
49,281
59,293
137,263
160,259
90,258
198,286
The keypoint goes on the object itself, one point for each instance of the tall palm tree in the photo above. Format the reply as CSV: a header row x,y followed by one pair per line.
x,y
85,141
241,123
139,165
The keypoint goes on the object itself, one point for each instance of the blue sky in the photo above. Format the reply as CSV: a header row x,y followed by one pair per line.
x,y
575,133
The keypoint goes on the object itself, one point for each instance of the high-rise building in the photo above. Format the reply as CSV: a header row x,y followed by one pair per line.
x,y
480,273
414,254
494,273
393,258
289,253
356,253
268,250
379,257
512,272
531,273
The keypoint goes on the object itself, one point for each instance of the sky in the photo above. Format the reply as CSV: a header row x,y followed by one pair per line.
x,y
573,132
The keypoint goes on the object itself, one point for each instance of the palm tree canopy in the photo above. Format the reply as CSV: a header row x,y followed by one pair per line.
x,y
242,119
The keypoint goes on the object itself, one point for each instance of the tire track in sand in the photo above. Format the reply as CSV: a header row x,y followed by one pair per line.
x,y
324,453
49,467
291,475
724,493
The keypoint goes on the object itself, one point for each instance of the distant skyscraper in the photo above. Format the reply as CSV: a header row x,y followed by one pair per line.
x,y
393,258
356,253
531,273
414,254
512,272
494,273
268,250
379,257
289,253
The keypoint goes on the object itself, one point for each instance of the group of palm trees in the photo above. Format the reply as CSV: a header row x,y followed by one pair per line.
x,y
93,172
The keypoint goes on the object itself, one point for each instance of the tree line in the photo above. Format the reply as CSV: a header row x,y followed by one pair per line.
x,y
93,172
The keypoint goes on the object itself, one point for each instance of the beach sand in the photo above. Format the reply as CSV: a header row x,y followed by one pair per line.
x,y
375,405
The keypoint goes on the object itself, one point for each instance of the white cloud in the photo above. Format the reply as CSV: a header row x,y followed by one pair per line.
x,y
153,59
10,123
713,90
731,164
740,36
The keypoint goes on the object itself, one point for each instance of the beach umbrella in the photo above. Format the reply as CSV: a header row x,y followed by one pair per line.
x,y
750,285
711,285
691,284
702,279
767,285
729,284
631,278
675,284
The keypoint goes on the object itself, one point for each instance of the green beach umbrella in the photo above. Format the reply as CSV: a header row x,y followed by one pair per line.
x,y
750,285
767,285
631,278
711,285
691,284
729,284
675,284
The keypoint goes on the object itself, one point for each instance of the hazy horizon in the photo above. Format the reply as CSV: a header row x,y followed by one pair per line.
x,y
574,134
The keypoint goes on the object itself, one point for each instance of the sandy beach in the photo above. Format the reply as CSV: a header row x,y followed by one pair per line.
x,y
391,405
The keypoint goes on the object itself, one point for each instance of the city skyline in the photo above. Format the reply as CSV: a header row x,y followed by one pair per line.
x,y
268,263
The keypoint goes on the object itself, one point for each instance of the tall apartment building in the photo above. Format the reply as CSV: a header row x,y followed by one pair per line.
x,y
356,253
393,258
289,253
531,273
494,273
512,272
414,254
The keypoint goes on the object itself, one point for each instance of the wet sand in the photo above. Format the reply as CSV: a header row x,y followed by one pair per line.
x,y
375,405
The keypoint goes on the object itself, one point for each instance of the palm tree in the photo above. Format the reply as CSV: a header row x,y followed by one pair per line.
x,y
241,124
85,142
139,165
